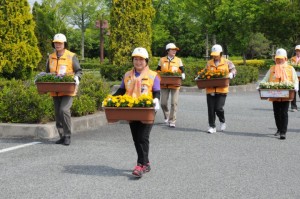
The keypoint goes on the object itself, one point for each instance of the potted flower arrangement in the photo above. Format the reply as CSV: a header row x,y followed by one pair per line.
x,y
276,90
208,78
125,107
51,82
169,77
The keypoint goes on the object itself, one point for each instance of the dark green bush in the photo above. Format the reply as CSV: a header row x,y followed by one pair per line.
x,y
90,65
83,105
21,103
245,75
112,72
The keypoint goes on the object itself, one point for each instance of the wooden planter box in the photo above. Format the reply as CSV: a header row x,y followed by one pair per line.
x,y
277,93
212,83
145,115
45,87
170,80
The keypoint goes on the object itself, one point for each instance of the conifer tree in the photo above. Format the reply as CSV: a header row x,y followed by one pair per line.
x,y
131,23
19,53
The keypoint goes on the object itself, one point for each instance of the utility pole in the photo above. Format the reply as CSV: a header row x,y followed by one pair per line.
x,y
101,24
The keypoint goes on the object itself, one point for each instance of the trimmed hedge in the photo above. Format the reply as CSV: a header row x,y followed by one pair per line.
x,y
21,103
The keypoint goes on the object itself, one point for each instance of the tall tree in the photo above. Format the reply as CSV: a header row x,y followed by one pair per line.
x,y
84,13
130,27
50,18
19,53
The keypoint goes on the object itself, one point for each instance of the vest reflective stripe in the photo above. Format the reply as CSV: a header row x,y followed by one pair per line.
x,y
272,78
62,65
147,81
223,65
174,65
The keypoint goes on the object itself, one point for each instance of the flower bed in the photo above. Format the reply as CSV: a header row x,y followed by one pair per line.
x,y
276,90
124,107
211,78
50,82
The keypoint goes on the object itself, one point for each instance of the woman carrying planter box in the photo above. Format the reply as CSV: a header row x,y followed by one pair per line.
x,y
216,96
140,80
281,72
63,62
174,64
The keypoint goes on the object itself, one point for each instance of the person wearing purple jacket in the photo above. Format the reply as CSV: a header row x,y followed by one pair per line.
x,y
140,80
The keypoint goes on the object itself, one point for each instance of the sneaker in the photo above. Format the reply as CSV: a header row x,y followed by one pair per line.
x,y
211,130
277,133
282,137
138,171
146,168
294,110
222,126
172,125
60,141
166,121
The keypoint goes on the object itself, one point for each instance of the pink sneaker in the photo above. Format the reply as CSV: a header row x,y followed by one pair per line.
x,y
146,168
138,171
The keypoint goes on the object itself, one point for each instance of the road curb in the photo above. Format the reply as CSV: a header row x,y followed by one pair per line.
x,y
49,131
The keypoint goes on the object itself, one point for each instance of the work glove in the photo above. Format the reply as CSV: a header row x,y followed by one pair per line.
x,y
76,79
183,76
156,104
230,75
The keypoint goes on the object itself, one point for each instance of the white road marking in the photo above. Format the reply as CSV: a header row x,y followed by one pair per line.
x,y
18,147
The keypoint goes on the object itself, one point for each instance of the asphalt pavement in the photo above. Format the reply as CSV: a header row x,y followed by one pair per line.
x,y
244,161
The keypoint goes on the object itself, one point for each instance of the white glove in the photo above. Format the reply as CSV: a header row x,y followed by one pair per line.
x,y
183,76
76,80
230,75
156,102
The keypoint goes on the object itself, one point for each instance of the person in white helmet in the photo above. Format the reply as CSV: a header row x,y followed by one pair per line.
x,y
170,62
216,97
281,72
62,62
295,60
140,80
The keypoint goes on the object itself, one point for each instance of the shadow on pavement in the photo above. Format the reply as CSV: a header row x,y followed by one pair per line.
x,y
98,170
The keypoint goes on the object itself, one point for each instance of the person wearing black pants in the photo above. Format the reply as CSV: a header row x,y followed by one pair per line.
x,y
215,106
281,72
136,82
281,117
140,134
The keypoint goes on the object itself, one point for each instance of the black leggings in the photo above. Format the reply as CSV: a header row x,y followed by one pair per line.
x,y
215,106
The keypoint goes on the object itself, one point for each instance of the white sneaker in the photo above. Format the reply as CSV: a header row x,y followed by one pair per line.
x,y
222,126
212,130
172,125
166,121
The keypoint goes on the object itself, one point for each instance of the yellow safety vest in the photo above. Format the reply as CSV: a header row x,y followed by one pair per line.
x,y
173,65
147,81
272,78
223,65
63,65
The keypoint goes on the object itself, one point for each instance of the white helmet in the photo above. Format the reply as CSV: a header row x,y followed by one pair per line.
x,y
140,52
171,46
280,54
216,50
59,38
297,47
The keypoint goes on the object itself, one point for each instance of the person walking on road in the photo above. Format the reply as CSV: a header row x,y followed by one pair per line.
x,y
295,60
141,80
281,72
170,63
63,62
216,97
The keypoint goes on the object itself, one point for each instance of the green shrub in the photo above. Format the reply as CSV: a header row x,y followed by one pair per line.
x,y
112,72
90,65
21,103
83,105
245,75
